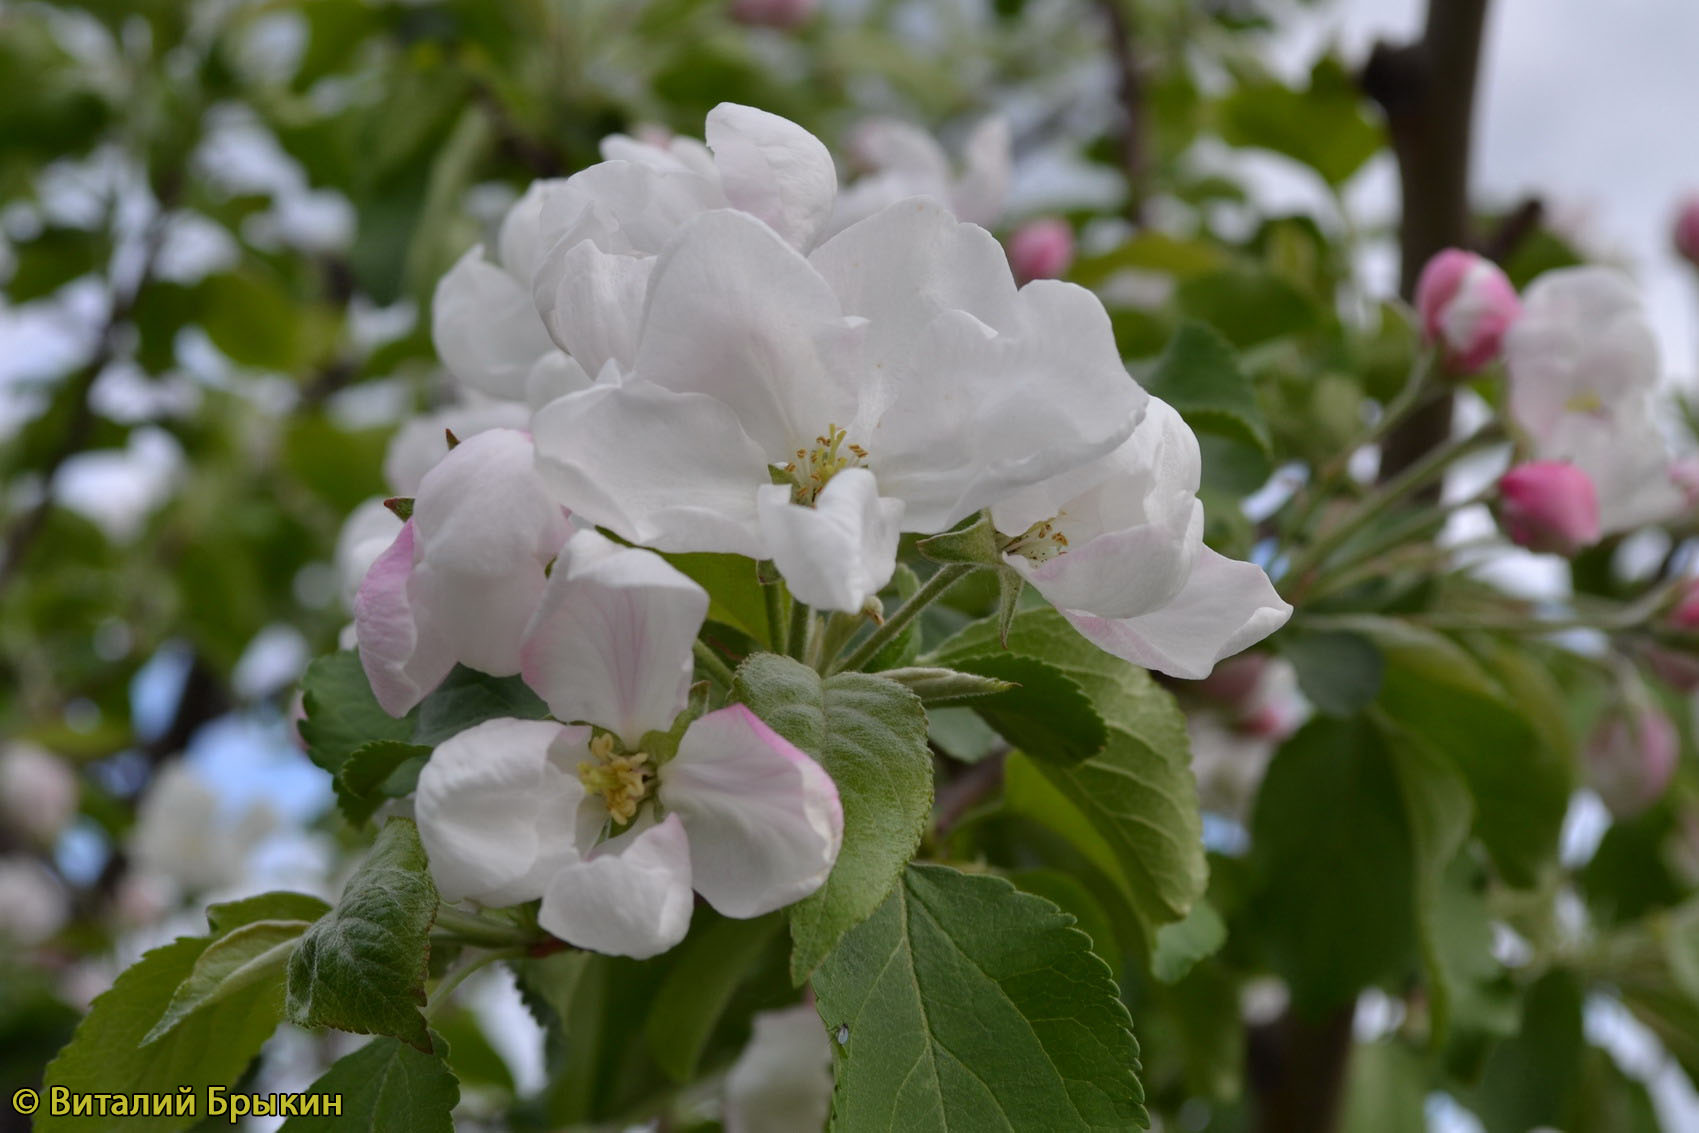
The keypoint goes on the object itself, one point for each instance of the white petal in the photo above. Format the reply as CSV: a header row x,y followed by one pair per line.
x,y
1121,574
367,533
627,207
495,806
782,1082
840,552
554,375
736,313
1226,606
420,444
764,819
668,470
611,641
592,302
1582,337
485,328
629,897
979,193
773,168
984,414
1624,454
486,528
525,234
403,659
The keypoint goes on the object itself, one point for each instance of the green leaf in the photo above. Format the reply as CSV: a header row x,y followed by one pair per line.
x,y
467,697
1045,713
1179,946
1150,250
1339,671
251,955
706,972
1531,1078
1386,1091
53,259
1332,852
901,650
971,1005
870,735
734,592
341,712
374,773
386,1087
1137,794
250,317
362,967
106,1054
1199,376
1326,126
1249,306
278,905
1442,696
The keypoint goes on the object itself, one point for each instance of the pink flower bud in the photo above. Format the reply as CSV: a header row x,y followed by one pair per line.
x,y
1630,759
1687,231
1466,304
1041,249
1549,505
782,14
1686,612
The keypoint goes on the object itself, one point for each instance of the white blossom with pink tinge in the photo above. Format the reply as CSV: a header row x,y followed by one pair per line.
x,y
1118,549
612,838
463,576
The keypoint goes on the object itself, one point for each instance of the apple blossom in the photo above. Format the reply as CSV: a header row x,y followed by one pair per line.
x,y
1583,366
1630,758
33,904
182,839
367,532
38,791
421,443
806,409
904,161
596,818
1549,505
782,1081
1466,305
463,575
1041,249
1117,548
1686,233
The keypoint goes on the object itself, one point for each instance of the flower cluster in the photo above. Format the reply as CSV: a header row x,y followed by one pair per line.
x,y
703,348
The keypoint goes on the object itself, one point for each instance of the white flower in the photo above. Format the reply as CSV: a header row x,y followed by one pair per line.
x,y
182,837
610,221
367,533
461,579
904,161
33,905
806,409
588,817
1583,367
421,443
782,1081
38,791
1118,549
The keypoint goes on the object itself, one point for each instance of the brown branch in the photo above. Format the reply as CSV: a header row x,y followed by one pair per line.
x,y
1129,92
1427,91
1296,1069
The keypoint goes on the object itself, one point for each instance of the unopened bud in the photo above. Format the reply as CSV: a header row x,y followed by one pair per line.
x,y
1466,304
782,14
1686,232
1041,249
1630,759
1685,615
1549,505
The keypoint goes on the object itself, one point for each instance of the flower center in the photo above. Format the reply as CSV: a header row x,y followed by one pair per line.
x,y
814,468
1587,402
1039,543
621,780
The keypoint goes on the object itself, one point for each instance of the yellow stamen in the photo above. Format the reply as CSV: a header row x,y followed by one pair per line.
x,y
814,468
621,780
1039,543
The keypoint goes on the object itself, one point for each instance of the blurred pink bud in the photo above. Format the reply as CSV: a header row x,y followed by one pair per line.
x,y
1235,680
1684,474
1687,230
1686,612
1549,505
783,14
1466,304
1630,759
1041,249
